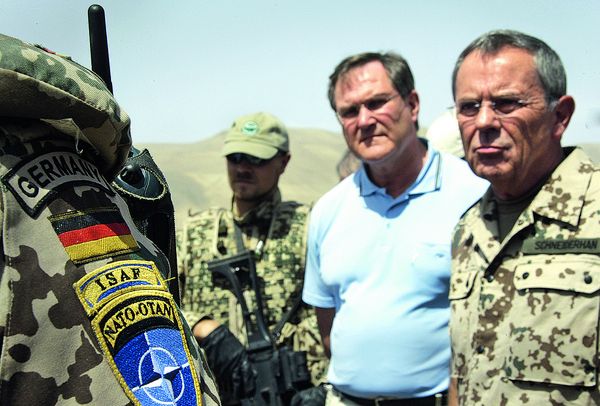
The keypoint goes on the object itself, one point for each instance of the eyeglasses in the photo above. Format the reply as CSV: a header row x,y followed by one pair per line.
x,y
501,105
238,158
374,105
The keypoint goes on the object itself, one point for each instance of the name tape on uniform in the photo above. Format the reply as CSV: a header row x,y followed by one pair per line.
x,y
555,246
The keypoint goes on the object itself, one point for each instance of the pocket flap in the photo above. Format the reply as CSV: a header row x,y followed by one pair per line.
x,y
461,284
566,273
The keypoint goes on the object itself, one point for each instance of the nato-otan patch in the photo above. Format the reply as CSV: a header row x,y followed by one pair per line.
x,y
35,180
94,234
141,334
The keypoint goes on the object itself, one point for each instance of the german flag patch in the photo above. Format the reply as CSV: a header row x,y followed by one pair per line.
x,y
91,235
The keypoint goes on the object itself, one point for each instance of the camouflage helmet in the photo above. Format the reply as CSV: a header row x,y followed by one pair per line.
x,y
38,84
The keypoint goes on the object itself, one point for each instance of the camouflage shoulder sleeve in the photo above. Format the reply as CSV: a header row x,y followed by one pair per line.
x,y
57,90
88,317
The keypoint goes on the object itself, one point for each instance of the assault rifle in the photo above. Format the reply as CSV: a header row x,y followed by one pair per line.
x,y
281,372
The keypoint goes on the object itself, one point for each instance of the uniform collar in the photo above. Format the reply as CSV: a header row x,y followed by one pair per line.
x,y
563,196
262,212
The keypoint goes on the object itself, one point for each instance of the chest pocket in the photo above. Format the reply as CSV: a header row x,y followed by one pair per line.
x,y
464,318
554,330
461,284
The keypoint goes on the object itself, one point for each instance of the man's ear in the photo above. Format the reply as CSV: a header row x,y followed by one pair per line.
x,y
413,101
563,111
284,161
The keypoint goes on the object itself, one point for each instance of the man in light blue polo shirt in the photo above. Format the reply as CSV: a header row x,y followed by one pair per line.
x,y
378,263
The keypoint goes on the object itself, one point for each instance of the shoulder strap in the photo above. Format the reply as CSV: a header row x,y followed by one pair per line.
x,y
297,303
287,317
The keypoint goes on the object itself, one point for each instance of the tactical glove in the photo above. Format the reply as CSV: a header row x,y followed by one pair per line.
x,y
310,397
228,360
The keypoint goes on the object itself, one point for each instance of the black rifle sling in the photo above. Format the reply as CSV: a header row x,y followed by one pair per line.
x,y
287,317
239,240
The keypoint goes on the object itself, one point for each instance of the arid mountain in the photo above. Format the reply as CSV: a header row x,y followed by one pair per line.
x,y
197,176
198,180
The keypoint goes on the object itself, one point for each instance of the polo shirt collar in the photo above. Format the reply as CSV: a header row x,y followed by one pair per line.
x,y
429,179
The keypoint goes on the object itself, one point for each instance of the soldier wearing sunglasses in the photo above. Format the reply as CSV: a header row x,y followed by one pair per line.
x,y
256,149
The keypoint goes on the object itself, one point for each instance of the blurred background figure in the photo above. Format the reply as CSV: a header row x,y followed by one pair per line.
x,y
256,149
443,134
347,165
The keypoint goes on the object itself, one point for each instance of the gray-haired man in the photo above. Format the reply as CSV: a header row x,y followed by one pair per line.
x,y
525,286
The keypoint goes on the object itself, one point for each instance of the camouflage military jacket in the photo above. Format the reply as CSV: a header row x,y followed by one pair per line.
x,y
276,232
525,311
85,315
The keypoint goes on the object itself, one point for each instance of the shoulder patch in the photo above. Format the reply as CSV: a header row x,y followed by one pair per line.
x,y
36,179
91,235
116,278
138,326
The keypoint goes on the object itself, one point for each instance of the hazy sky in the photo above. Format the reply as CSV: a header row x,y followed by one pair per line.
x,y
184,70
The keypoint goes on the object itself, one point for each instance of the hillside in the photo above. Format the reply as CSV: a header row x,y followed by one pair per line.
x,y
197,175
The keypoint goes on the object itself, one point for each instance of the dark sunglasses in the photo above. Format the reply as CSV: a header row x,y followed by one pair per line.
x,y
238,158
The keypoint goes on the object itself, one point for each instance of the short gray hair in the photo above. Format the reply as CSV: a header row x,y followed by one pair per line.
x,y
547,62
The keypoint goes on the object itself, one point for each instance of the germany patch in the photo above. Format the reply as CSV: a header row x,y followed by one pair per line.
x,y
138,326
95,234
35,180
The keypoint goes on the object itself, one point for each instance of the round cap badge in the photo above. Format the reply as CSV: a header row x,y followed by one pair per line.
x,y
250,128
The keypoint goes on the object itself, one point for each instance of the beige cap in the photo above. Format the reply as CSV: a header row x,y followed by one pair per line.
x,y
260,134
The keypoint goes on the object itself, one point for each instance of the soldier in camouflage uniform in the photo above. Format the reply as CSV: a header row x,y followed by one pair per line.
x,y
525,285
85,313
257,152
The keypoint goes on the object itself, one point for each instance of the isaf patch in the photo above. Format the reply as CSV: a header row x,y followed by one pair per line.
x,y
95,234
138,326
33,182
94,289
